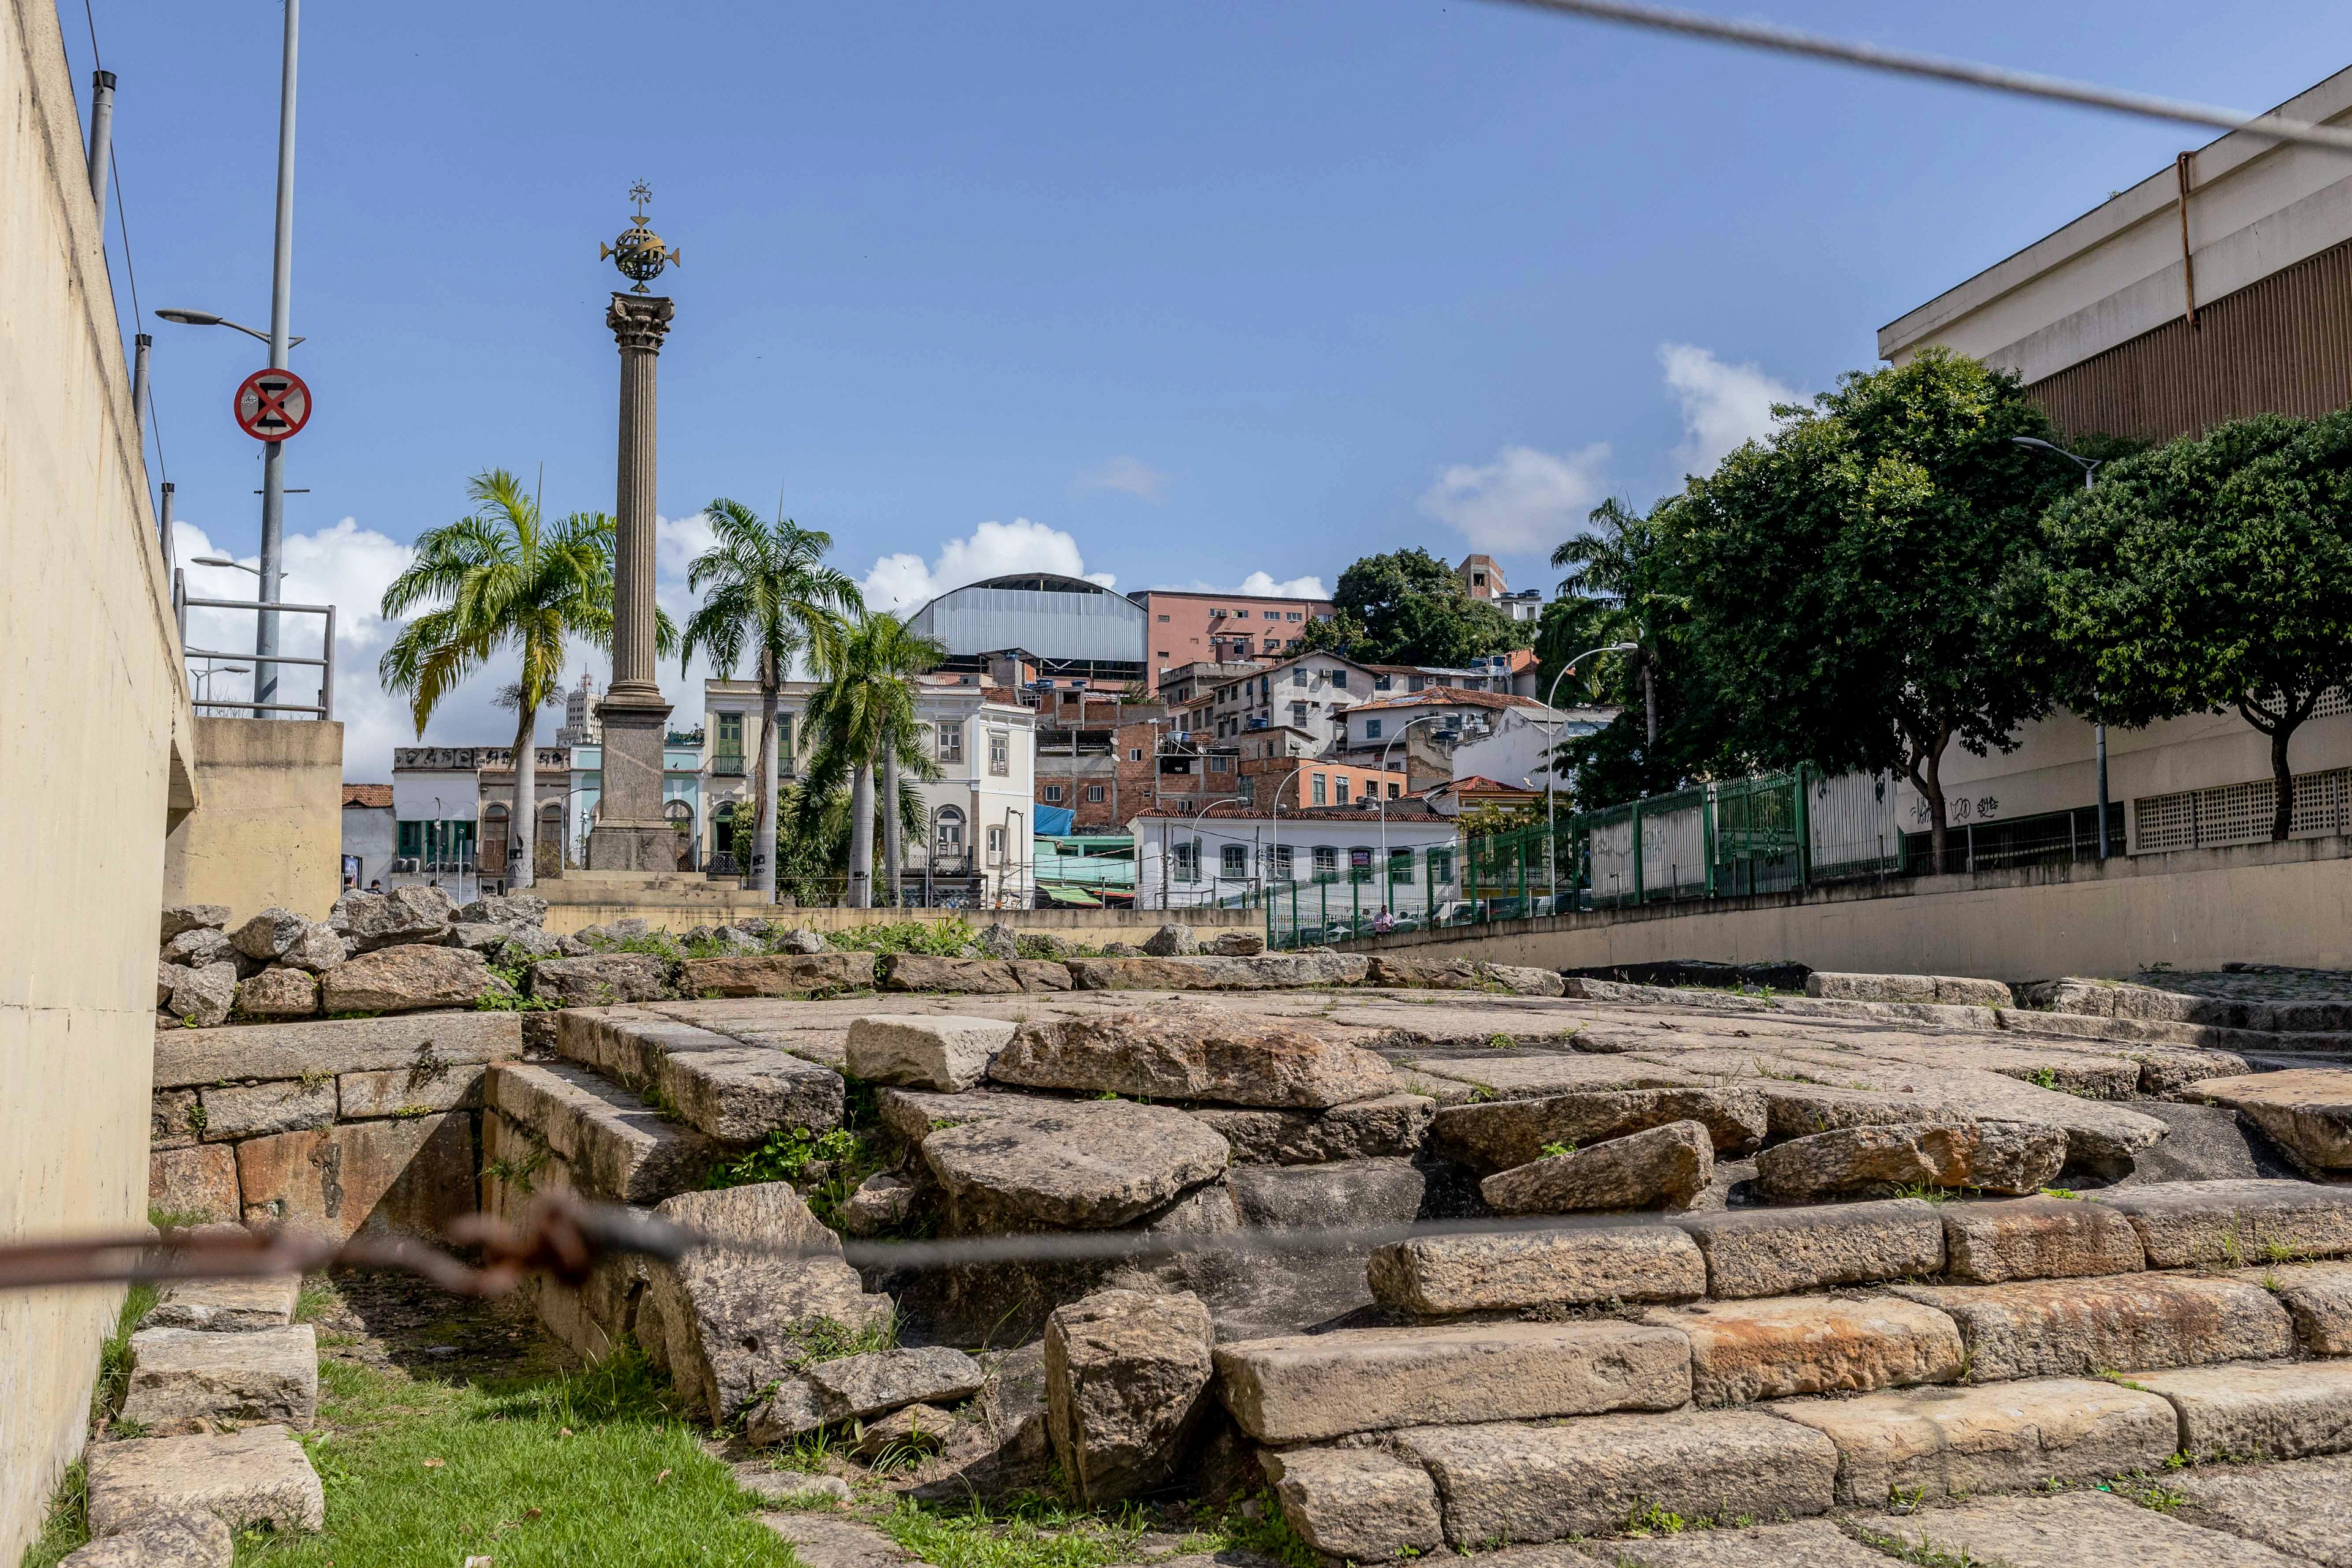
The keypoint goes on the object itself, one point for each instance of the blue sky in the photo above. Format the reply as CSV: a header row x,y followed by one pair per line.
x,y
1173,294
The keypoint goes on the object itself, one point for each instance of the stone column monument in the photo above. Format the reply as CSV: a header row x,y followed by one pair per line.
x,y
630,834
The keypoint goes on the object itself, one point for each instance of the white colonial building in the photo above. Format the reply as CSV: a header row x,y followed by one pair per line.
x,y
1239,853
975,851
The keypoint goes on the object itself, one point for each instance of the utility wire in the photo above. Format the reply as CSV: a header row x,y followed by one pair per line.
x,y
1903,62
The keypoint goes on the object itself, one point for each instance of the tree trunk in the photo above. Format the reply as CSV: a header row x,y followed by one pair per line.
x,y
859,894
2283,821
1940,820
1649,704
763,838
891,826
522,833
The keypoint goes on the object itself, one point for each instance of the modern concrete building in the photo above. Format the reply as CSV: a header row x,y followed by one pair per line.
x,y
2218,287
1184,626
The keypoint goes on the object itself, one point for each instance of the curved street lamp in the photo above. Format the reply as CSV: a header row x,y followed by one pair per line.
x,y
1167,878
1384,798
1552,762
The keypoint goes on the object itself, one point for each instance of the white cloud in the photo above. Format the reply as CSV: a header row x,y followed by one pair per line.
x,y
1128,476
1524,500
1256,585
1724,406
902,583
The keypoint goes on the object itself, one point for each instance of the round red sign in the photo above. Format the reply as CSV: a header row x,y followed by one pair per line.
x,y
272,404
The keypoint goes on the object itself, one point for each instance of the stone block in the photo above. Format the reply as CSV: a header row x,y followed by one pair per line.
x,y
226,1305
1126,1383
741,1095
279,993
253,1110
933,1051
600,979
407,979
410,1176
2318,1297
1307,1388
167,1538
410,1091
2037,1238
1773,1252
1387,1125
404,916
2303,1509
776,974
968,976
1951,1442
1043,974
260,1477
1273,972
202,997
2075,1328
2306,1112
199,1182
1503,1481
617,1147
1087,1164
1662,1167
1775,1347
1496,1135
1802,1543
174,1119
852,1388
180,1377
1840,987
2079,1530
1186,1050
2182,1224
2244,1413
178,918
1438,1276
1357,1504
1992,1156
185,1059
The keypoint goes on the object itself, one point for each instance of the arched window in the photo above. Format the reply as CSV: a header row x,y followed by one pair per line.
x,y
494,839
949,833
679,815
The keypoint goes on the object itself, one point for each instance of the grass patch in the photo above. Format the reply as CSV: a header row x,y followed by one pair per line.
x,y
827,1166
1269,1535
588,1469
939,939
1557,1150
1033,1533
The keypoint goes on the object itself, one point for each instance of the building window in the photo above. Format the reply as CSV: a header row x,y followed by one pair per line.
x,y
1282,863
1339,679
1052,794
1395,789
1135,753
1233,860
411,840
1400,866
1163,621
730,735
1321,789
1299,714
1371,729
1441,868
1326,863
949,833
999,753
951,740
1094,794
1338,789
1188,859
1164,652
996,845
1221,764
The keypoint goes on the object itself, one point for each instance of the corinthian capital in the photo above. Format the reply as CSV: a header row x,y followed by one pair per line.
x,y
639,320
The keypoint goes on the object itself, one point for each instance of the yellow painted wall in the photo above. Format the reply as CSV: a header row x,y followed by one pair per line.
x,y
272,827
2267,903
571,906
96,739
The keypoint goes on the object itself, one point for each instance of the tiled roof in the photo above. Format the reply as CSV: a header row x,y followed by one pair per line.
x,y
1447,697
1400,810
367,795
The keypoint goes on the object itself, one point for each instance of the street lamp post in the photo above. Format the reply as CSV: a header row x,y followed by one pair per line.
x,y
1380,785
1167,874
1552,762
2090,466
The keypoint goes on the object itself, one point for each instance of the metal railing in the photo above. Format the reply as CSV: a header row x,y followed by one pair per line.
x,y
322,709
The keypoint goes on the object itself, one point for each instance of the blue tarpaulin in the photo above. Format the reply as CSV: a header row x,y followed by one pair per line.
x,y
1051,821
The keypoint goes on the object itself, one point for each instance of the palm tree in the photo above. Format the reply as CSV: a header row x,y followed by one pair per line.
x,y
767,590
498,578
864,717
1612,567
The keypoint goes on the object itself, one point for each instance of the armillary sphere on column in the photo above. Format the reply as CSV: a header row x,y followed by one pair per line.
x,y
639,252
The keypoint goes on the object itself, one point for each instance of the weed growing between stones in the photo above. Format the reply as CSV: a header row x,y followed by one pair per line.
x,y
1925,1555
1557,1150
936,939
1033,1532
1258,1525
2150,1492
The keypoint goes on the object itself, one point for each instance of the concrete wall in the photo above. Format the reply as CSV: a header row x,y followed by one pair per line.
x,y
96,743
271,830
577,910
2269,903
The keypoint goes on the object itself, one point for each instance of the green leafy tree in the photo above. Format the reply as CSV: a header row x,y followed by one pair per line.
x,y
1843,578
766,591
2208,574
501,578
1611,592
864,720
1408,608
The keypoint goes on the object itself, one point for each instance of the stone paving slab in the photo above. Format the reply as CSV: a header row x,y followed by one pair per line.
x,y
1741,1351
182,1376
1807,1543
1776,1252
1510,1270
2078,1530
186,1058
616,1146
227,1305
2307,1112
1950,1442
2318,1297
2303,1509
2037,1238
2077,1328
2183,1225
2242,1412
256,1477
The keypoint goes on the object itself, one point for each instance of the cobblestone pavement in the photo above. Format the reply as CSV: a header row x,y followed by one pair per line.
x,y
2254,982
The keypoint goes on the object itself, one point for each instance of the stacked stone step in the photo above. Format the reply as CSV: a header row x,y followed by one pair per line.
x,y
1948,1350
221,1379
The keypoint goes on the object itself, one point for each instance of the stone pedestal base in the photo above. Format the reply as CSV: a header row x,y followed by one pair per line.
x,y
630,834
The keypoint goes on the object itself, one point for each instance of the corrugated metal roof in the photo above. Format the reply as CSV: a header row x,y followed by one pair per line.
x,y
1065,619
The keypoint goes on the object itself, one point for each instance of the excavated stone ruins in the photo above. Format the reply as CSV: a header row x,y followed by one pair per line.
x,y
1453,1258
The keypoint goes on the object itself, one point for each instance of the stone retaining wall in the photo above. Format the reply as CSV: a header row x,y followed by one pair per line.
x,y
330,1124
